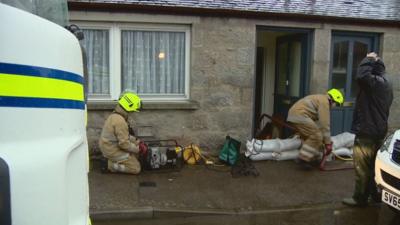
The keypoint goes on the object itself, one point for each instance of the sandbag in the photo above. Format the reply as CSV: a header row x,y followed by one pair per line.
x,y
273,145
345,139
262,156
286,155
343,152
289,144
257,146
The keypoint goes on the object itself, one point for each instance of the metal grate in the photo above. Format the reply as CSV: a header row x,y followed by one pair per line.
x,y
391,180
396,152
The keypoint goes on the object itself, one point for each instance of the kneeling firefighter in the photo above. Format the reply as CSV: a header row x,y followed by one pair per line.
x,y
311,117
115,142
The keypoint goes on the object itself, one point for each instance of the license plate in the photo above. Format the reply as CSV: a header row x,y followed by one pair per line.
x,y
391,199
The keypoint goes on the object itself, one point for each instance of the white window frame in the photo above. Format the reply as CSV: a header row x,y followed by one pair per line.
x,y
115,29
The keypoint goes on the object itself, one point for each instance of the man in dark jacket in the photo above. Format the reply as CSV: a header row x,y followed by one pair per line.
x,y
370,124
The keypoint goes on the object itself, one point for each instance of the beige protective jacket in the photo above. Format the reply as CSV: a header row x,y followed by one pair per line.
x,y
313,109
115,141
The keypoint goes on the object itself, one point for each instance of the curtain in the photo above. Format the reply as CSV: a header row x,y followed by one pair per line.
x,y
153,62
96,45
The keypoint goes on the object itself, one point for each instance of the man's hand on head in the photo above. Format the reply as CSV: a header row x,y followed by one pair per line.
x,y
372,55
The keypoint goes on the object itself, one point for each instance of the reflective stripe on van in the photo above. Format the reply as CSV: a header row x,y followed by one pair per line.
x,y
31,86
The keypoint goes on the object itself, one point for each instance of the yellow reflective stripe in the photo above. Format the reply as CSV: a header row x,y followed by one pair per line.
x,y
39,87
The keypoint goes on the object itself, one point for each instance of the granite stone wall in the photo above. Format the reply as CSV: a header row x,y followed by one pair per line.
x,y
390,55
222,77
222,80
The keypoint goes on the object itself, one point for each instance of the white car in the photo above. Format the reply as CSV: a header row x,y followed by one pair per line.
x,y
387,170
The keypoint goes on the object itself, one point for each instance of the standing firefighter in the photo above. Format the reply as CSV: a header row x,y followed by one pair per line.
x,y
311,117
115,142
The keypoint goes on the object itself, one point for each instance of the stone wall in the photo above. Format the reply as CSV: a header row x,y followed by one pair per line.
x,y
222,74
222,80
390,55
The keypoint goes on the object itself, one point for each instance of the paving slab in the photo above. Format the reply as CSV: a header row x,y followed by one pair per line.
x,y
283,193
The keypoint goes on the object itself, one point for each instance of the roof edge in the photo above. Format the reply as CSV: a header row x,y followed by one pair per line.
x,y
179,10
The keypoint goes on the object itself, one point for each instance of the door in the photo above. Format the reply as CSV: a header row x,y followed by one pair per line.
x,y
291,71
259,84
347,53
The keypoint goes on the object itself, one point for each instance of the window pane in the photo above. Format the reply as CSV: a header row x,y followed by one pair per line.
x,y
295,67
339,69
282,68
359,52
153,62
96,44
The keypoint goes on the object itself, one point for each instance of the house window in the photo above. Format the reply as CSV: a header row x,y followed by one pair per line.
x,y
152,61
97,46
347,52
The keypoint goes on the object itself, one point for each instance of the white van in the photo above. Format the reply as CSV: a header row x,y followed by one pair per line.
x,y
387,170
43,145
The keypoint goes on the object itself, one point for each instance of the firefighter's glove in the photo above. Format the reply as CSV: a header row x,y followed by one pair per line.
x,y
133,147
142,148
328,148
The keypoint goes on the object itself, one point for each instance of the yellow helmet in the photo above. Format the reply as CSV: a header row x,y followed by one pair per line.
x,y
336,96
130,101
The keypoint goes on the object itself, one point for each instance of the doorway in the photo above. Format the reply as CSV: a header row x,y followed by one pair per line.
x,y
282,71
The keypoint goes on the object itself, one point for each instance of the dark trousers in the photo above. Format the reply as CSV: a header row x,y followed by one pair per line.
x,y
364,153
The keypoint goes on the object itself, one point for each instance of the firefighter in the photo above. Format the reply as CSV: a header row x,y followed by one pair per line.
x,y
116,144
311,118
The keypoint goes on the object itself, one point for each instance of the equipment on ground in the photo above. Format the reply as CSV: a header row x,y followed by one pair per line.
x,y
334,165
192,154
264,147
160,154
276,127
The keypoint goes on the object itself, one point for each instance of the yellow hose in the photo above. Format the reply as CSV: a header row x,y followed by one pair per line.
x,y
342,158
192,154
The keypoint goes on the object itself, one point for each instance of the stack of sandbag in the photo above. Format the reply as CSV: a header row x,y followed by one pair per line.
x,y
288,149
273,149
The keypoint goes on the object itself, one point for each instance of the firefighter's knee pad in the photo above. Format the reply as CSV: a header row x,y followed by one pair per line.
x,y
116,167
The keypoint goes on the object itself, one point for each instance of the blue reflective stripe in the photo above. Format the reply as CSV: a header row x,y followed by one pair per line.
x,y
39,72
6,101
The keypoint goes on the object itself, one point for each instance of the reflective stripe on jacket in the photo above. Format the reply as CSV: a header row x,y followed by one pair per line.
x,y
114,140
315,109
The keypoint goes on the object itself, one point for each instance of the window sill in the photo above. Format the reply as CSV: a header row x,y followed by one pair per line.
x,y
147,105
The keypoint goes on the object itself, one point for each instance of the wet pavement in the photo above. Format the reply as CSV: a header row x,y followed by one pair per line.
x,y
283,193
339,217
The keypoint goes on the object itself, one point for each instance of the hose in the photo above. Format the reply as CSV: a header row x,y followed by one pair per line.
x,y
342,158
192,155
